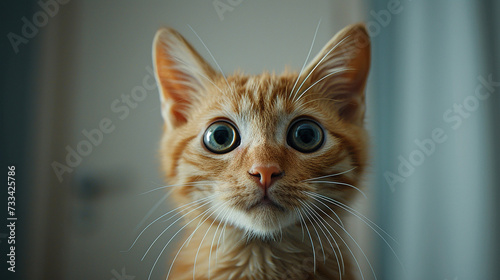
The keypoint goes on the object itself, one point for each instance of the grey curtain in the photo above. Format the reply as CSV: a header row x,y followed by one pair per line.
x,y
434,111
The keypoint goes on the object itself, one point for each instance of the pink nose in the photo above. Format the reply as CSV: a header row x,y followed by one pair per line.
x,y
266,174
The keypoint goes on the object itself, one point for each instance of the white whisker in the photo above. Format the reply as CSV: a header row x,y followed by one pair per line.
x,y
213,241
340,183
341,70
178,219
341,205
164,247
310,238
188,205
178,185
305,62
347,246
210,53
302,227
220,235
187,239
150,212
331,175
361,216
204,236
336,244
302,105
321,60
319,238
198,72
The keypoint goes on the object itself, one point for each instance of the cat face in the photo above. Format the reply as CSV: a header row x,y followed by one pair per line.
x,y
261,151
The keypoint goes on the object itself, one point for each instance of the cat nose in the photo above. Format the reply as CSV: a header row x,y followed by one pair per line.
x,y
266,174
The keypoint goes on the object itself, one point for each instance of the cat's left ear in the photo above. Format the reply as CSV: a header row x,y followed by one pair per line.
x,y
182,75
339,72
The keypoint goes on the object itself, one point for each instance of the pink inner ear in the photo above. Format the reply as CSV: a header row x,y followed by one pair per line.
x,y
174,91
349,53
181,73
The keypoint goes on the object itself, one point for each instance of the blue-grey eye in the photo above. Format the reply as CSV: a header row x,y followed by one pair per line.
x,y
221,137
305,136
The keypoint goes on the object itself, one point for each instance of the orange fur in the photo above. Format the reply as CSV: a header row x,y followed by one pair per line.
x,y
261,241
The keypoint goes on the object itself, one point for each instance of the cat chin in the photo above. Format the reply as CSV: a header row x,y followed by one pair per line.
x,y
265,223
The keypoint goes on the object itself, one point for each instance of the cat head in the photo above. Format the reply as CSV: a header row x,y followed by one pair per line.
x,y
261,152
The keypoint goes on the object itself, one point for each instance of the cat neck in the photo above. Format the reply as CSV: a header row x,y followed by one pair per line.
x,y
233,254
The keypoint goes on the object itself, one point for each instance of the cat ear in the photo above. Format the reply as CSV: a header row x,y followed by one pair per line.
x,y
182,76
340,70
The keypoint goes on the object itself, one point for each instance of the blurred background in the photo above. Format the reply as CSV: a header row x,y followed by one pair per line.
x,y
81,124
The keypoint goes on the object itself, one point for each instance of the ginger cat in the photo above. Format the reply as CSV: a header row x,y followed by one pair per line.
x,y
264,167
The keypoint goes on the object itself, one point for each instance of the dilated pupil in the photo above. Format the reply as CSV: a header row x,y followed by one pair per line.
x,y
221,136
306,135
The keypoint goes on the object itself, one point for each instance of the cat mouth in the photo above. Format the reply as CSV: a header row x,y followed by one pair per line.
x,y
267,203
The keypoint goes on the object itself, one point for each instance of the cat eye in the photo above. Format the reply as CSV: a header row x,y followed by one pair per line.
x,y
305,136
221,137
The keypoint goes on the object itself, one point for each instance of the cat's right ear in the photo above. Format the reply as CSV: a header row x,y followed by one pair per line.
x,y
182,76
